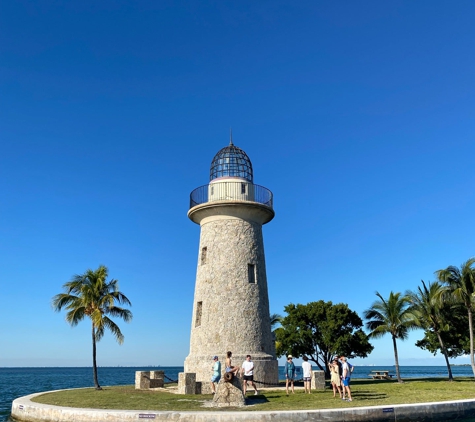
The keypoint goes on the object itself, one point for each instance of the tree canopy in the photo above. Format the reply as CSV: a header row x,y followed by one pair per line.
x,y
456,338
391,316
321,330
461,288
430,313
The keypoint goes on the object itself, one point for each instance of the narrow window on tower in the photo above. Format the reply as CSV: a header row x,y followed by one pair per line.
x,y
251,273
203,255
199,310
243,188
212,190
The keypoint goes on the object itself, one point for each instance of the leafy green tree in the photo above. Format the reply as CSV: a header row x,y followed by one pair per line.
x,y
427,308
91,295
392,316
461,287
321,330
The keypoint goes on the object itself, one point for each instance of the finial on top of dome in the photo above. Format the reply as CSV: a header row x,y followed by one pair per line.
x,y
230,137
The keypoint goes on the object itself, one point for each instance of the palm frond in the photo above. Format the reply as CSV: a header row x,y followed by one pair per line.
x,y
91,295
114,329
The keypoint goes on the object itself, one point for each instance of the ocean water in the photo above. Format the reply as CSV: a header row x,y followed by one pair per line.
x,y
17,382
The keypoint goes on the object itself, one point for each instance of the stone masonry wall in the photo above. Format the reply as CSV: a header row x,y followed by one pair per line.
x,y
229,311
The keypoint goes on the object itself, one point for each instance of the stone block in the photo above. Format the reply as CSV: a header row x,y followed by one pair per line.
x,y
157,379
318,380
145,380
142,380
198,387
187,383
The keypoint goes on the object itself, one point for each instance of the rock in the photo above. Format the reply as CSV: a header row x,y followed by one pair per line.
x,y
229,394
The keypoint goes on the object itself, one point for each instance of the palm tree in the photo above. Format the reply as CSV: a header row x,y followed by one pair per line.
x,y
91,295
461,284
391,316
275,319
427,308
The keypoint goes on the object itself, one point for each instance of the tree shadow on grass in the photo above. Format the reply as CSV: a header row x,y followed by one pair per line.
x,y
394,381
372,382
368,395
259,399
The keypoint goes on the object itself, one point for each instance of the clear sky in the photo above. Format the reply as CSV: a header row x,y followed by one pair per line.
x,y
358,115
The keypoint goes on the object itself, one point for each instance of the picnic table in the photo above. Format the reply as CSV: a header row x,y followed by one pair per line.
x,y
381,375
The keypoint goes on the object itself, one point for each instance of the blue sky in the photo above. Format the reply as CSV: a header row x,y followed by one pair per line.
x,y
358,115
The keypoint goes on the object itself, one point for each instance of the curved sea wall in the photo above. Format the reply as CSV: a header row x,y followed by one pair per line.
x,y
24,410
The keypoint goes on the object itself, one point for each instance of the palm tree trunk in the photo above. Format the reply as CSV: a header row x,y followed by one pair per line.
x,y
444,352
470,327
396,360
94,364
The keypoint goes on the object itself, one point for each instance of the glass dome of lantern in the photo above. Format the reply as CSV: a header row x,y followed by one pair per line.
x,y
231,161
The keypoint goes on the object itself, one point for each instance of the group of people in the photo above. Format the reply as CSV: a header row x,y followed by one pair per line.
x,y
340,370
246,371
289,370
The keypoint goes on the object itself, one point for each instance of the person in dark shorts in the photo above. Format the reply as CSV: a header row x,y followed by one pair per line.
x,y
307,374
247,372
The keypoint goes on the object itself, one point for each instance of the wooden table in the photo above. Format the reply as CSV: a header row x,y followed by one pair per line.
x,y
380,375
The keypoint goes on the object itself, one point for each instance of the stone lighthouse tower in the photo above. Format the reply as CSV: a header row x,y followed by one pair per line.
x,y
231,302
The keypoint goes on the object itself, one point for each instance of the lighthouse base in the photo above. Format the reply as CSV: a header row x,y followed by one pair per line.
x,y
266,369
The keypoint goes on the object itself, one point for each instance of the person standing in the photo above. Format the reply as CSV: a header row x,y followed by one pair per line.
x,y
248,370
289,374
216,368
340,366
346,378
307,374
335,377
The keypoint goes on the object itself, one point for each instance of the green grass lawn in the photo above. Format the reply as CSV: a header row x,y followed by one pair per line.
x,y
365,393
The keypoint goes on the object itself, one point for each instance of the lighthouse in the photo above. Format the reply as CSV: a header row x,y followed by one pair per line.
x,y
231,301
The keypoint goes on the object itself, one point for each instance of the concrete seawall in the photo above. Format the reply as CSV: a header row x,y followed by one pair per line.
x,y
24,410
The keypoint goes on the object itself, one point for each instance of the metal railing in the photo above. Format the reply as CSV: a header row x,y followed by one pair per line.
x,y
231,191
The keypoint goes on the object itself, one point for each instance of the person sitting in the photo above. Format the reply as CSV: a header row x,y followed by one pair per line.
x,y
228,365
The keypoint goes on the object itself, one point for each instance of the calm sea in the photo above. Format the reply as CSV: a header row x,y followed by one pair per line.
x,y
17,382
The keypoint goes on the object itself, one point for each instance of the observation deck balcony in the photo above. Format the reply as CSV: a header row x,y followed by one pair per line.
x,y
240,190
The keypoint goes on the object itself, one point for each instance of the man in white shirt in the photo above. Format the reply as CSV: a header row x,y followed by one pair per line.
x,y
248,370
307,374
346,377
